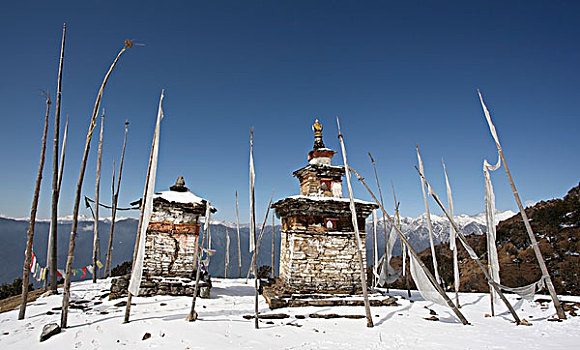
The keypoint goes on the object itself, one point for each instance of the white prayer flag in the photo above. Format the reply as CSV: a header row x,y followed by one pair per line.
x,y
137,271
252,199
452,240
428,215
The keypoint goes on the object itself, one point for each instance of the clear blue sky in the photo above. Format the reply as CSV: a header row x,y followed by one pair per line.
x,y
397,73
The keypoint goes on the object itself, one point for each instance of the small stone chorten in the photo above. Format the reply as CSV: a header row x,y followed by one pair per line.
x,y
318,243
171,244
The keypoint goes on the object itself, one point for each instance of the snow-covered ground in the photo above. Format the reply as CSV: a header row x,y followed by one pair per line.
x,y
221,326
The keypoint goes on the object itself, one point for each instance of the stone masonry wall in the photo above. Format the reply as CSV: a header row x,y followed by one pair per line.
x,y
172,240
320,262
170,254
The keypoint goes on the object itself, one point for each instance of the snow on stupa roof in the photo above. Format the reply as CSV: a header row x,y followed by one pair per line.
x,y
179,197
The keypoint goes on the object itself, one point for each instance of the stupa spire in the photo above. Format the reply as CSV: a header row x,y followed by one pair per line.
x,y
319,153
179,185
317,128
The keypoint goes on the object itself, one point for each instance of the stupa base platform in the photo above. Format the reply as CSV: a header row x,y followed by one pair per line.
x,y
160,285
278,297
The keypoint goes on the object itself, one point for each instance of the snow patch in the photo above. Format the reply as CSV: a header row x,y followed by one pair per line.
x,y
179,197
221,326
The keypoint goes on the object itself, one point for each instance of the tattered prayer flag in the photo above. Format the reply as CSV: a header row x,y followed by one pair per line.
x,y
60,273
90,269
428,217
33,265
252,199
147,210
84,270
99,264
33,262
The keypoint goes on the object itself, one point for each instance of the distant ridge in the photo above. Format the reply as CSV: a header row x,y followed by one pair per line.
x,y
13,233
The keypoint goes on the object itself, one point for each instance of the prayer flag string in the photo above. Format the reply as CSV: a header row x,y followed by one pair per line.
x,y
39,273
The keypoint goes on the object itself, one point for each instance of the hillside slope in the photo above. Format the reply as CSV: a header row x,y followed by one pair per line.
x,y
556,224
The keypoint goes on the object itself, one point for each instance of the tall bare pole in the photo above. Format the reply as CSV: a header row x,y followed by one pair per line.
x,y
472,254
96,240
52,236
386,233
62,156
253,225
375,250
403,247
452,238
413,253
239,244
192,316
227,262
273,246
115,194
32,221
259,240
429,224
71,248
539,257
359,243
51,250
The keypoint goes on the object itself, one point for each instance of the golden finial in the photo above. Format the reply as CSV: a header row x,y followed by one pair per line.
x,y
317,128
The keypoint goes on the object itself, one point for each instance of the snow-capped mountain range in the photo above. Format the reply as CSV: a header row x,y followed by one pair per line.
x,y
13,233
417,229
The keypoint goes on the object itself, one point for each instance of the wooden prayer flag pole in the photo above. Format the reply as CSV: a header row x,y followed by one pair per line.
x,y
375,250
356,230
52,235
32,221
96,240
253,227
429,224
260,236
51,250
452,239
192,316
414,253
238,236
273,247
70,257
115,200
403,247
386,231
539,257
227,261
472,254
